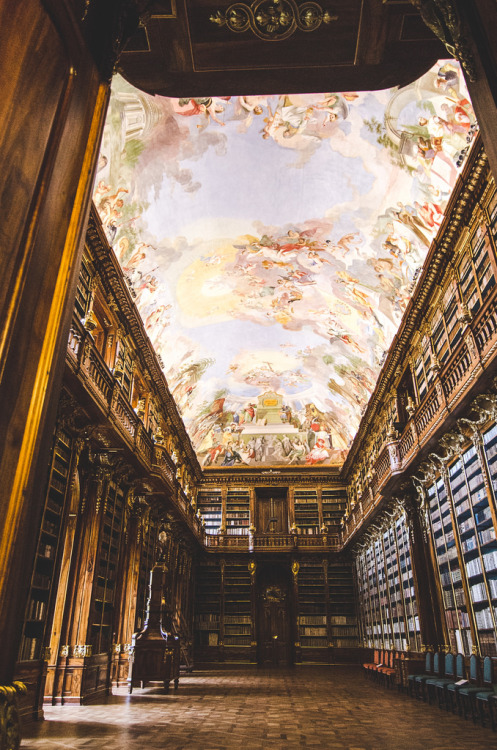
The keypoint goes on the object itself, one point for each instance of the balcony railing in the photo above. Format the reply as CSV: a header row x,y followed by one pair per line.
x,y
474,352
86,361
281,542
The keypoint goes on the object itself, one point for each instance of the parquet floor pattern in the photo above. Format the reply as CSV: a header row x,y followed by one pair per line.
x,y
307,707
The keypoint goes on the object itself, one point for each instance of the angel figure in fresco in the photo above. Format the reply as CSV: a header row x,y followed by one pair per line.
x,y
248,107
201,106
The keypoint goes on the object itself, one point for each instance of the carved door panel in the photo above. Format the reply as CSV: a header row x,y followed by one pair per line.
x,y
274,626
272,515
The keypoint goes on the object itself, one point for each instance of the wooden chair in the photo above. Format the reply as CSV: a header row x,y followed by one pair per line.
x,y
413,680
454,689
467,694
436,685
483,697
367,666
449,689
386,673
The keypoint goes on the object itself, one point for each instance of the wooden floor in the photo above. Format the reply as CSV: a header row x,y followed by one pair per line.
x,y
307,707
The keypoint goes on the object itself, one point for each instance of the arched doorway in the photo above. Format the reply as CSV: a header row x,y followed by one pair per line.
x,y
275,636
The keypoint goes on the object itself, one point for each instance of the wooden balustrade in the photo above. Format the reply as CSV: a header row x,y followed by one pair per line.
x,y
408,440
427,411
145,445
455,373
99,374
485,328
125,415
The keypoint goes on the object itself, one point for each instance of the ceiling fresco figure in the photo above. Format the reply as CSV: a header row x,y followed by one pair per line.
x,y
271,244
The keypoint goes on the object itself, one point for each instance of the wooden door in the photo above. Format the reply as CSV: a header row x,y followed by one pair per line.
x,y
274,631
272,515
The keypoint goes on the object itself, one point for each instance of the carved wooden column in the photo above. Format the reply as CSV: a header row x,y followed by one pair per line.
x,y
252,566
295,597
433,628
65,568
75,648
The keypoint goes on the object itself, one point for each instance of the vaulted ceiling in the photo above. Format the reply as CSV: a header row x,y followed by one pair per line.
x,y
272,241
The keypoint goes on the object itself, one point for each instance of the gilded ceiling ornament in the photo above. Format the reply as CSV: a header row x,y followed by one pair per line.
x,y
273,21
442,17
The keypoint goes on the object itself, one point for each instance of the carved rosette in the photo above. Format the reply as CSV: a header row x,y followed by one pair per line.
x,y
273,21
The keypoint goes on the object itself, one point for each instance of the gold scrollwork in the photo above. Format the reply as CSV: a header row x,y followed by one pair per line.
x,y
273,21
10,734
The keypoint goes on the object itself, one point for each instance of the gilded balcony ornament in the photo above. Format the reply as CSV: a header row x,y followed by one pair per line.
x,y
410,406
159,437
273,21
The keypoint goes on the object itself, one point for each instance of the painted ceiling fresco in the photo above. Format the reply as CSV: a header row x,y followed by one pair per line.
x,y
271,244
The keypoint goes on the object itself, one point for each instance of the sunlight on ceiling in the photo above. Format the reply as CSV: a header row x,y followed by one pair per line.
x,y
272,243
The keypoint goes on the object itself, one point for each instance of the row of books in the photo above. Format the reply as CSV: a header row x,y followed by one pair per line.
x,y
37,610
456,618
484,619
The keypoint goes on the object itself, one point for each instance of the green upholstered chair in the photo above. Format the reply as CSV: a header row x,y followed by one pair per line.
x,y
413,680
467,694
435,685
453,689
420,681
449,689
482,698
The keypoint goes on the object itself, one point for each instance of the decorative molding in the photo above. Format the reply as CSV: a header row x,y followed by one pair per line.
x,y
442,17
273,21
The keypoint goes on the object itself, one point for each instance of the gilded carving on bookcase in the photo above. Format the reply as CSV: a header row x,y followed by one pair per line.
x,y
10,730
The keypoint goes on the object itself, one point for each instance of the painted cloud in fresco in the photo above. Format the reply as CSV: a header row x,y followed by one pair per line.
x,y
272,243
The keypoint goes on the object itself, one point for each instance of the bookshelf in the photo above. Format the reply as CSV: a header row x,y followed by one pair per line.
x,y
237,512
342,616
210,508
385,588
464,537
208,604
312,614
334,503
306,511
106,570
44,572
237,605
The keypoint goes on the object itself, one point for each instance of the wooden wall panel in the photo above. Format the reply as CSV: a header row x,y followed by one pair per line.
x,y
52,111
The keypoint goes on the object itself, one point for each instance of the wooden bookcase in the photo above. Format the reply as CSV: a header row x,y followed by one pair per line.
x,y
102,618
210,507
237,512
237,615
334,503
44,576
462,523
207,619
306,511
385,589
